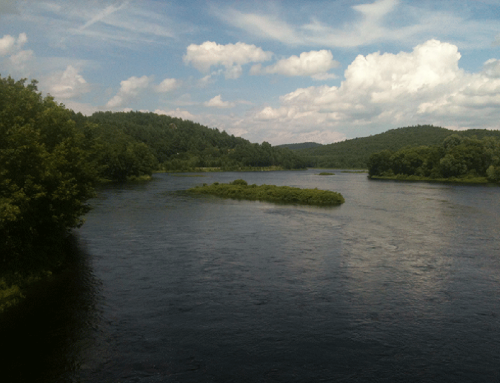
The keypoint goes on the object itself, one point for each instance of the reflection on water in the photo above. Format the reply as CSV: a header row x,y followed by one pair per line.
x,y
399,284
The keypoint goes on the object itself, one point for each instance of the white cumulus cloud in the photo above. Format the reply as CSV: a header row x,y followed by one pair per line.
x,y
10,44
217,102
179,113
129,89
167,85
68,84
492,68
230,56
383,90
313,63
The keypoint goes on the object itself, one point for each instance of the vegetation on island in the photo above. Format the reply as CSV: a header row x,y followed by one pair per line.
x,y
457,159
326,174
239,189
354,153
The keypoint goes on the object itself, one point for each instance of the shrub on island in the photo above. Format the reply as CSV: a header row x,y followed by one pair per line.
x,y
326,174
239,189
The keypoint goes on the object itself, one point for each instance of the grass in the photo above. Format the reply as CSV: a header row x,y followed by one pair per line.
x,y
326,174
239,189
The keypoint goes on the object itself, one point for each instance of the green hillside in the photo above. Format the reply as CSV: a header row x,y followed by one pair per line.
x,y
174,144
303,145
355,153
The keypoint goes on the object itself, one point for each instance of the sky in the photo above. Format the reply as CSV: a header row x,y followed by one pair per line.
x,y
284,71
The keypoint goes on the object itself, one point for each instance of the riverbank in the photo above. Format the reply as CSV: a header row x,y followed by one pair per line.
x,y
463,180
219,170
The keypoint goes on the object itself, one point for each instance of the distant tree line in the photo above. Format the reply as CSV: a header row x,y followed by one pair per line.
x,y
457,157
354,153
135,143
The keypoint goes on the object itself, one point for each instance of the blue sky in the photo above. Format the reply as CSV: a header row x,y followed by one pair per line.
x,y
277,71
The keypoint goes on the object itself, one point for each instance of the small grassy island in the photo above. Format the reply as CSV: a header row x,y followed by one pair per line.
x,y
326,174
239,189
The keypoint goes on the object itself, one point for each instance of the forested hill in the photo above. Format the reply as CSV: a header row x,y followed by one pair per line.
x,y
178,145
303,145
355,153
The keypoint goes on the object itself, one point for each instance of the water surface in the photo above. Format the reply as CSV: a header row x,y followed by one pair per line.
x,y
399,284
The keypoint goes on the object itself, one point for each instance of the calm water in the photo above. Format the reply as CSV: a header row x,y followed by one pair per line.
x,y
399,284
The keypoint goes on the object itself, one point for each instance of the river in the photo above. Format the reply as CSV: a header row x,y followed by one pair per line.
x,y
399,284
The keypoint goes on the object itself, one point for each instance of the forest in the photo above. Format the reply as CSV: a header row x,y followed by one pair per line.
x,y
354,153
457,158
137,143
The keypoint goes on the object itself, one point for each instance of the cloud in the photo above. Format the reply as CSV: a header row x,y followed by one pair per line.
x,y
313,63
265,26
230,56
68,84
491,68
400,22
10,45
366,28
83,108
97,23
179,113
217,102
129,90
386,90
20,64
109,10
167,85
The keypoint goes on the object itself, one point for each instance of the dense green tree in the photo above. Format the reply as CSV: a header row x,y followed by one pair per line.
x,y
355,153
182,145
46,175
457,157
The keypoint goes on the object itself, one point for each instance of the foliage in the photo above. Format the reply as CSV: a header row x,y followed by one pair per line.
x,y
46,175
458,158
326,174
239,189
303,145
135,143
14,285
355,153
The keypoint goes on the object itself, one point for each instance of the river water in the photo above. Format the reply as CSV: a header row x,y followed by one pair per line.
x,y
399,284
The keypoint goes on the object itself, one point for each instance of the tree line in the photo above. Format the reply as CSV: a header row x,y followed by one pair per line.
x,y
167,143
354,153
457,157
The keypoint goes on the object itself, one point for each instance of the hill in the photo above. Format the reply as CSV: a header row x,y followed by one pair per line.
x,y
151,141
303,145
355,153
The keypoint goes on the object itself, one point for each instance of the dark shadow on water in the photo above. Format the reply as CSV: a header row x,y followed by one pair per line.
x,y
43,338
